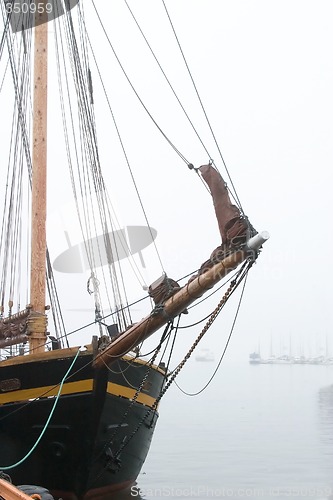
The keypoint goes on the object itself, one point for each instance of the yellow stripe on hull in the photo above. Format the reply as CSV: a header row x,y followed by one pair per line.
x,y
127,392
47,391
73,388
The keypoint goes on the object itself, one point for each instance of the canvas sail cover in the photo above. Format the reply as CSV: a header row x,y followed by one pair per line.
x,y
233,227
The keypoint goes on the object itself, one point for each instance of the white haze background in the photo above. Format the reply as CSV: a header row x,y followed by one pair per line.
x,y
264,73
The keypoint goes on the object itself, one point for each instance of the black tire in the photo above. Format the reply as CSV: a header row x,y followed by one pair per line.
x,y
30,489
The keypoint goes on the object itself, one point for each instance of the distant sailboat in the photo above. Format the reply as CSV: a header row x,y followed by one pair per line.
x,y
205,355
255,358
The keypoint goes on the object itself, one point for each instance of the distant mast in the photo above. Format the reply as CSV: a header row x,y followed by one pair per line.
x,y
38,320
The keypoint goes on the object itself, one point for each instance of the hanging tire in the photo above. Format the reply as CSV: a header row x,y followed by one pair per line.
x,y
30,489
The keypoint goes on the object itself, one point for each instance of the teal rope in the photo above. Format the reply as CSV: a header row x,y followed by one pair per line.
x,y
48,420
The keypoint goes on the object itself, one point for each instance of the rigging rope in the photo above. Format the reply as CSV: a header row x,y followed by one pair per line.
x,y
135,92
19,50
174,374
225,347
122,144
203,108
12,222
88,128
167,80
131,404
91,159
234,194
91,162
8,467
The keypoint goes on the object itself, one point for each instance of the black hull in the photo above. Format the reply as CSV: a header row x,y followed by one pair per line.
x,y
77,457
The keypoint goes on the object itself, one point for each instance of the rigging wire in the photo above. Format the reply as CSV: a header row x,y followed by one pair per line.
x,y
113,313
99,184
66,134
172,346
190,166
167,79
20,63
165,336
234,194
12,222
225,347
6,29
202,107
56,311
122,143
92,151
233,286
132,402
90,159
181,105
136,93
174,374
18,102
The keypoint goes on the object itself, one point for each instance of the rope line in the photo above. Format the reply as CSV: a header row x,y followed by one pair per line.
x,y
174,374
203,108
225,347
8,467
135,92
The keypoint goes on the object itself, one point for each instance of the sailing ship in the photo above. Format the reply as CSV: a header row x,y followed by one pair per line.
x,y
79,419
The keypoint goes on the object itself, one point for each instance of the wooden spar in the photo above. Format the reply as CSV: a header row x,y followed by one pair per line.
x,y
171,308
37,329
177,303
10,492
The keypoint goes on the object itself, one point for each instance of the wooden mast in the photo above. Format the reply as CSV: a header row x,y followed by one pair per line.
x,y
37,323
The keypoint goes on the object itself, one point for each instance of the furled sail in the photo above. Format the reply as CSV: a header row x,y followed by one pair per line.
x,y
232,225
235,248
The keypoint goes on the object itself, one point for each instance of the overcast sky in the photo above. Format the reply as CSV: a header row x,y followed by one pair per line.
x,y
264,73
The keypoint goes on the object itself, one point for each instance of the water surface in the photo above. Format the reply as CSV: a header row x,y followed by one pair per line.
x,y
260,431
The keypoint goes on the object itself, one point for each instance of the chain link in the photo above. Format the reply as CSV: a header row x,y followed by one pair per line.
x,y
134,399
210,321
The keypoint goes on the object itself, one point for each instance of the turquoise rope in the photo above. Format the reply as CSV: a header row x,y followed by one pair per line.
x,y
48,420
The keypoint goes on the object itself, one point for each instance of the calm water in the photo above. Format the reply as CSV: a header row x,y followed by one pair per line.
x,y
261,431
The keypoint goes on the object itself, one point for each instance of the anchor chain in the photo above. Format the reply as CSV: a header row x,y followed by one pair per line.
x,y
208,324
113,457
176,372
